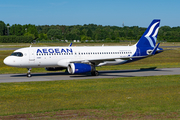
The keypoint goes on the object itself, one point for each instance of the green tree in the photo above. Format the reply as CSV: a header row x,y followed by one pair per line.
x,y
130,34
30,29
12,30
83,32
83,38
89,33
54,34
2,28
29,34
166,28
18,30
43,36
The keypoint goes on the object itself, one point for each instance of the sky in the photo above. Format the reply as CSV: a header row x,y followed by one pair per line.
x,y
101,12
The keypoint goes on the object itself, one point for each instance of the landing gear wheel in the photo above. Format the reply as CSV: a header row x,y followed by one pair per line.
x,y
29,75
95,73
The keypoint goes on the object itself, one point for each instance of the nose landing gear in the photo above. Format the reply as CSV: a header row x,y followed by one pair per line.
x,y
29,73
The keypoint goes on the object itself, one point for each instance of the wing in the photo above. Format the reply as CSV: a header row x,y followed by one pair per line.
x,y
104,61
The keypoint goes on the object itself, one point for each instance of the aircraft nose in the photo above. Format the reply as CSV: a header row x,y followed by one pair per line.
x,y
7,61
10,61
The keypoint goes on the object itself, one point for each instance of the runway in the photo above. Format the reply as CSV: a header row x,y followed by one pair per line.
x,y
4,78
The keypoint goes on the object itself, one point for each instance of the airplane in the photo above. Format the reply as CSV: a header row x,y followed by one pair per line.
x,y
84,59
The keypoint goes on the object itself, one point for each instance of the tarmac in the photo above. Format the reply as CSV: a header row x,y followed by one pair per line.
x,y
4,78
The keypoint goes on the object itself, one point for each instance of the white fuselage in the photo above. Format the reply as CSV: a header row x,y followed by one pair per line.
x,y
61,56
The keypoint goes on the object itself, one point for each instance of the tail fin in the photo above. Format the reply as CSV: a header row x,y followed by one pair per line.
x,y
149,37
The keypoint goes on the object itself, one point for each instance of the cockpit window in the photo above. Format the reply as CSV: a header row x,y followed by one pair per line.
x,y
18,54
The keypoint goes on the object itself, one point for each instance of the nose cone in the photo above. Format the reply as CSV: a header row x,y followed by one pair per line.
x,y
7,61
10,61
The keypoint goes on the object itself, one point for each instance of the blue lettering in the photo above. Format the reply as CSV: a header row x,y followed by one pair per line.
x,y
57,50
38,50
69,50
62,50
51,50
44,50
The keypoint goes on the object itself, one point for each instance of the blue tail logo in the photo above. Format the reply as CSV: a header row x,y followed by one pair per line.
x,y
149,37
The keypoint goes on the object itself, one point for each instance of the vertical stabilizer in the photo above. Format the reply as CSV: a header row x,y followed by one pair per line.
x,y
149,37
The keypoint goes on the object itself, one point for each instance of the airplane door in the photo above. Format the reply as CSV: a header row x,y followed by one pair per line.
x,y
31,55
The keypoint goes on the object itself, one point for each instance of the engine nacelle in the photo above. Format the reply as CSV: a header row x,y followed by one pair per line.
x,y
54,68
78,68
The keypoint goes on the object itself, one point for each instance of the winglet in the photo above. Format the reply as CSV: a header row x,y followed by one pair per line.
x,y
70,44
154,50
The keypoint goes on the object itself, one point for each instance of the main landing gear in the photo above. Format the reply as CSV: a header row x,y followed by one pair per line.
x,y
29,72
95,73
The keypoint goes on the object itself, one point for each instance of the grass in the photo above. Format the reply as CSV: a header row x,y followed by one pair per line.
x,y
157,97
154,97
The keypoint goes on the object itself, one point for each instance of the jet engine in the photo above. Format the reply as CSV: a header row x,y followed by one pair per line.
x,y
78,68
54,68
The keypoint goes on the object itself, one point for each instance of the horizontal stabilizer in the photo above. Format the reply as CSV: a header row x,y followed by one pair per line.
x,y
154,50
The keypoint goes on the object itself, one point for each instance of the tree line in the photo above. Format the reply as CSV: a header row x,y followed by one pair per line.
x,y
81,32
